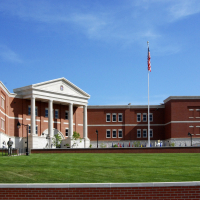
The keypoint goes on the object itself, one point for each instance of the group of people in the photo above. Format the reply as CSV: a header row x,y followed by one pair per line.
x,y
9,143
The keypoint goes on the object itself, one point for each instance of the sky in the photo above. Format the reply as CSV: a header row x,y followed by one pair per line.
x,y
101,47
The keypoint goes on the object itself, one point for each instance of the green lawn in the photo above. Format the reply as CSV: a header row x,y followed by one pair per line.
x,y
102,168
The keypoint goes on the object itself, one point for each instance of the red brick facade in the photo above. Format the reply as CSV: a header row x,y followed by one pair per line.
x,y
170,121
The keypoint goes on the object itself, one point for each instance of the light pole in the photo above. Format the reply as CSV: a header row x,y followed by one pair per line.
x,y
18,126
97,138
189,134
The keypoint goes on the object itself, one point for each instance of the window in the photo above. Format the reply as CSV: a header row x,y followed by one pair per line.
x,y
108,133
114,117
66,115
29,110
144,133
46,112
29,129
36,129
36,111
138,117
66,132
2,102
56,113
144,117
151,117
120,133
151,133
114,133
2,124
138,133
120,117
108,117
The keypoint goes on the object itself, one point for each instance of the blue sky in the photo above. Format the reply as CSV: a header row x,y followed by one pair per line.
x,y
101,46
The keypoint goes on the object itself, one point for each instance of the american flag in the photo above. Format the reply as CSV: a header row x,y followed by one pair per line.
x,y
149,60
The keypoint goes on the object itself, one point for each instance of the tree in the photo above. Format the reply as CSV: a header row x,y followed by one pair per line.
x,y
75,137
56,140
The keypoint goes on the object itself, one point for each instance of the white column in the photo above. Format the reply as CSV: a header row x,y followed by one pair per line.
x,y
32,115
70,120
50,119
85,122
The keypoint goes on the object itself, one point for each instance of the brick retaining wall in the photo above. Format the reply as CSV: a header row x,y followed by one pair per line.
x,y
122,150
101,191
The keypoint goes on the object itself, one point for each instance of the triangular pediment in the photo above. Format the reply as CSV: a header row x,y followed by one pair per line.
x,y
62,86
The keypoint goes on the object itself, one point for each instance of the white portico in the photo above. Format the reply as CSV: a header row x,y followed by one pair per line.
x,y
59,91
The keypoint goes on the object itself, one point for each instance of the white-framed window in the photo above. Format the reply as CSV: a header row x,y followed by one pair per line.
x,y
46,112
114,117
66,114
29,129
2,102
108,133
29,110
108,117
120,134
144,133
120,119
114,133
56,113
2,124
138,133
138,117
150,117
151,133
144,117
66,132
36,110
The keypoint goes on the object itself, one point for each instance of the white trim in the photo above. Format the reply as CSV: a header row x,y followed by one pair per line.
x,y
2,123
2,97
191,126
197,134
65,122
198,126
143,133
28,119
197,109
197,117
115,132
137,133
137,117
115,117
143,117
118,133
119,115
191,117
106,133
191,109
106,117
80,124
56,122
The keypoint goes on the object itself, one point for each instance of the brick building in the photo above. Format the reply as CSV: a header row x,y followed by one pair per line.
x,y
60,107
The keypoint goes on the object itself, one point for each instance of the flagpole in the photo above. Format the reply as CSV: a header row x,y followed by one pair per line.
x,y
148,144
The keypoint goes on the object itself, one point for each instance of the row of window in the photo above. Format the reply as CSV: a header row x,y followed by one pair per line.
x,y
144,133
2,102
114,117
114,133
140,117
55,114
143,117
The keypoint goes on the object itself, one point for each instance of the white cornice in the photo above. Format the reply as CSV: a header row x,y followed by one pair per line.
x,y
181,98
6,90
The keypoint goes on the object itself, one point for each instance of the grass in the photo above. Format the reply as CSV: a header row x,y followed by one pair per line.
x,y
102,168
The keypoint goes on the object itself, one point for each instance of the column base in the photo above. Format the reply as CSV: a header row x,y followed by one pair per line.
x,y
86,142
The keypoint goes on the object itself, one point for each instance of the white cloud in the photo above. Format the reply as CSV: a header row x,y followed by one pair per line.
x,y
8,55
184,8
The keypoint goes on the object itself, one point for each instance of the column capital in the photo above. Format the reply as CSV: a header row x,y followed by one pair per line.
x,y
50,100
32,96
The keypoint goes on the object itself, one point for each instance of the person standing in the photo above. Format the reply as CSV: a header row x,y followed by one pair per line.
x,y
10,143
